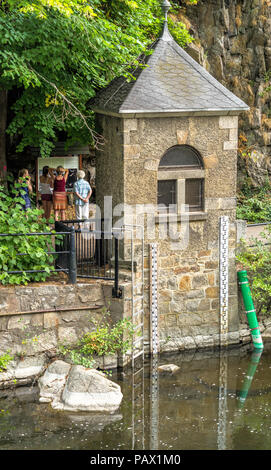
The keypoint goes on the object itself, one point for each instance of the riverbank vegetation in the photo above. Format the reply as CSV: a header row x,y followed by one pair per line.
x,y
103,339
256,259
4,360
254,203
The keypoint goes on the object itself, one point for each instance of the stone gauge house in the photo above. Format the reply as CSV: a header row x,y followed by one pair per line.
x,y
171,145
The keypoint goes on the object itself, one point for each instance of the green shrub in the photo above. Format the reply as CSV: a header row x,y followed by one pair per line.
x,y
105,339
108,340
254,204
4,360
256,260
13,219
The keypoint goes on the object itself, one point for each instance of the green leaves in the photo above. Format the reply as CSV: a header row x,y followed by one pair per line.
x,y
254,204
22,252
256,260
4,360
106,339
40,7
67,49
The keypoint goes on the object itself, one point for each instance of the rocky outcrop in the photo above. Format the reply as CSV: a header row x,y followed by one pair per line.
x,y
75,388
23,371
233,42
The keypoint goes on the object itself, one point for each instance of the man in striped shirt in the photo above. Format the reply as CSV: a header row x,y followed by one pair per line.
x,y
82,191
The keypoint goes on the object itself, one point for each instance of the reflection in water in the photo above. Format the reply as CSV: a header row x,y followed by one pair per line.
x,y
154,394
157,402
138,405
252,367
211,402
222,400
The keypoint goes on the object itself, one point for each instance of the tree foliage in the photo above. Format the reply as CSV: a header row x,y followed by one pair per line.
x,y
57,53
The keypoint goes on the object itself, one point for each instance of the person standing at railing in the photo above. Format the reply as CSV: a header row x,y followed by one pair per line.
x,y
82,191
46,191
59,193
26,188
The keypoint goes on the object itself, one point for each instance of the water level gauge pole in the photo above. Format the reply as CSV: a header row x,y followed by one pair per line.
x,y
250,310
224,279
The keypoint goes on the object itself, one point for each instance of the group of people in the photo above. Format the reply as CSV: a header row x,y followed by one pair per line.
x,y
53,192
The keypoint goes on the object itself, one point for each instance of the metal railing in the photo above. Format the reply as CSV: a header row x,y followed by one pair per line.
x,y
64,250
80,252
96,250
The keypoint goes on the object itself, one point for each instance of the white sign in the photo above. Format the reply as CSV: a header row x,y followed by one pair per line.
x,y
72,163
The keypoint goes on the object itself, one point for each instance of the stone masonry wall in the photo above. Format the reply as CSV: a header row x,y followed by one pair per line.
x,y
109,171
188,286
36,320
62,314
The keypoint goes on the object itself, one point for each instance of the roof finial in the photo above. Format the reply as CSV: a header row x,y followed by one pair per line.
x,y
165,7
165,33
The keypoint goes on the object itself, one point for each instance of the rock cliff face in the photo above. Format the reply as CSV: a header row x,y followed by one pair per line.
x,y
233,41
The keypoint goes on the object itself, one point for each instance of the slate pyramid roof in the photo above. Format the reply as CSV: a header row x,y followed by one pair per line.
x,y
172,82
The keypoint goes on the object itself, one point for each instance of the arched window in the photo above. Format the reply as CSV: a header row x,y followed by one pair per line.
x,y
181,179
181,156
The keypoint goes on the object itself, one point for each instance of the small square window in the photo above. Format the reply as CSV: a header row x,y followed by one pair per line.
x,y
194,194
167,192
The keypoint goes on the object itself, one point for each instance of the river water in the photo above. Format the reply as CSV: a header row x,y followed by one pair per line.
x,y
217,400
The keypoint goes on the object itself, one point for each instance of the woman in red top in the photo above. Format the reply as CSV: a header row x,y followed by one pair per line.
x,y
59,194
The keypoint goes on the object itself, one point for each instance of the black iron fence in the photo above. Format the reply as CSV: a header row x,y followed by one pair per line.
x,y
80,251
64,252
96,251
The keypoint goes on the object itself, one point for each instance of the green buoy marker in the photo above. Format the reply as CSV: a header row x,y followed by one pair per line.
x,y
250,310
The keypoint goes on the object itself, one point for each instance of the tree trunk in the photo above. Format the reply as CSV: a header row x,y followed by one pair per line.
x,y
3,123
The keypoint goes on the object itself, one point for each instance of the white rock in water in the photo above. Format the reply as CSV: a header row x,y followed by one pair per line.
x,y
76,388
90,390
29,367
170,368
51,384
23,370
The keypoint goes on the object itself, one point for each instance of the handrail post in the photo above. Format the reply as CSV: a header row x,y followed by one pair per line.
x,y
116,292
72,258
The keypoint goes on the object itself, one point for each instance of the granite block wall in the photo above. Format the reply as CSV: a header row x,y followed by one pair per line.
x,y
188,273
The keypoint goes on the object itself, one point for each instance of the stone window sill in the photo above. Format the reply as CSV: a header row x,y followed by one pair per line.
x,y
191,216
